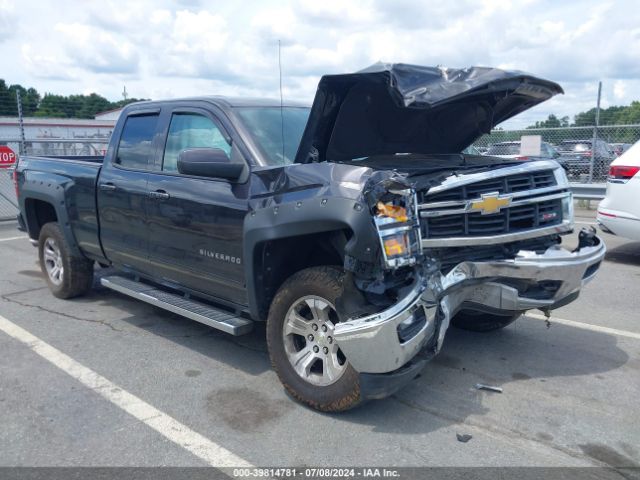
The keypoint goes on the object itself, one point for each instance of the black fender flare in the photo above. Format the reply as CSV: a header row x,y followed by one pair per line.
x,y
316,215
48,188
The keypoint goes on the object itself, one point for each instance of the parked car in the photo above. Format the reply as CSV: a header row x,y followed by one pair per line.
x,y
512,150
619,212
575,157
355,229
471,150
620,148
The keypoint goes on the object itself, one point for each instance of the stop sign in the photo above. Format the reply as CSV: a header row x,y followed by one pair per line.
x,y
7,157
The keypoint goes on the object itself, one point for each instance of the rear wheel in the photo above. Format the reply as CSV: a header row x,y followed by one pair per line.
x,y
482,322
67,276
303,352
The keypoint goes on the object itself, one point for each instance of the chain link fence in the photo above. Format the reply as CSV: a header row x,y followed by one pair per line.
x,y
47,147
8,203
584,152
572,147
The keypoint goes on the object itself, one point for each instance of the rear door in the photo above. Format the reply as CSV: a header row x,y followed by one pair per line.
x,y
195,223
123,192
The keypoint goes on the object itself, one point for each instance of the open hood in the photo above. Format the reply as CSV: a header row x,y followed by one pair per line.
x,y
399,108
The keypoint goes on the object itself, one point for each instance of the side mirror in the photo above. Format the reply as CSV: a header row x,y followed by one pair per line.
x,y
208,162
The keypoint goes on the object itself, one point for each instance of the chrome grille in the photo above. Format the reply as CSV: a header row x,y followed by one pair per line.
x,y
487,208
508,220
520,182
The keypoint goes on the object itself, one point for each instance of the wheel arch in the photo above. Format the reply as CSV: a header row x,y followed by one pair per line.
x,y
40,208
283,239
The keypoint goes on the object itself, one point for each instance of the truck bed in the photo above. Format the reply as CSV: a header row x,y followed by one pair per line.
x,y
68,179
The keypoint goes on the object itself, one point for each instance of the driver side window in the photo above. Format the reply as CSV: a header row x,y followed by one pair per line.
x,y
191,130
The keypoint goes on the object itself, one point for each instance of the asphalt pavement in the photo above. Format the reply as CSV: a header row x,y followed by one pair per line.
x,y
105,380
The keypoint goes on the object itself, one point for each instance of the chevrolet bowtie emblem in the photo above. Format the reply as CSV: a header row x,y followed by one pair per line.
x,y
490,203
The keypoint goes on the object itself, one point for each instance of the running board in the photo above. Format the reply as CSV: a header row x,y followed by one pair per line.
x,y
186,307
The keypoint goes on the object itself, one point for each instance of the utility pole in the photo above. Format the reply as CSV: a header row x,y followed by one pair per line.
x,y
21,150
281,100
124,93
595,133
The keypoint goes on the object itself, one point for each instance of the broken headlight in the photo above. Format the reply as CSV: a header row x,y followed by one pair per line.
x,y
397,223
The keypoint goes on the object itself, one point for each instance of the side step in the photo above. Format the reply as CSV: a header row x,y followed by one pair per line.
x,y
192,309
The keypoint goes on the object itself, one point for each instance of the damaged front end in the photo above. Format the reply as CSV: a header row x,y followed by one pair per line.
x,y
382,308
395,317
454,232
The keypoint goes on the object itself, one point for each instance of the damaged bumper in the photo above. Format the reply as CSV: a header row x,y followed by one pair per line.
x,y
379,343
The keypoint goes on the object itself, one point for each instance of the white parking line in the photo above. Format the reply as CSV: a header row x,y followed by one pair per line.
x,y
585,223
11,238
586,326
202,447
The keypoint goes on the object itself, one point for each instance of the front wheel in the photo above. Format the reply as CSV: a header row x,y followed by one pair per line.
x,y
482,322
303,352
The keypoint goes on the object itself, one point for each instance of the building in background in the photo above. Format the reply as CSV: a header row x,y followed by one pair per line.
x,y
109,115
58,136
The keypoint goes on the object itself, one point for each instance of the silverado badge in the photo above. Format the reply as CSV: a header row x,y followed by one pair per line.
x,y
490,203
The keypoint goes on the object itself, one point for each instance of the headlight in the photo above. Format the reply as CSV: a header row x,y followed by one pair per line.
x,y
399,229
389,210
395,245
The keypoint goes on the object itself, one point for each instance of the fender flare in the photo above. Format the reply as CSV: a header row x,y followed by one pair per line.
x,y
317,215
49,188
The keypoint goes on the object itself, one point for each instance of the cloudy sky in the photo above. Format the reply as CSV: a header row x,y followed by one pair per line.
x,y
162,49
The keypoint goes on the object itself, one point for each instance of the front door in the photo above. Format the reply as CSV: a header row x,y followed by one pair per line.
x,y
123,193
195,223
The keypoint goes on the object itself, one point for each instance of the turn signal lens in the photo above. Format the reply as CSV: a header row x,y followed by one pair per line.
x,y
392,211
395,245
622,172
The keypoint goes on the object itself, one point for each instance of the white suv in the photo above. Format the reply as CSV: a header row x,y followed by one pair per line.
x,y
619,212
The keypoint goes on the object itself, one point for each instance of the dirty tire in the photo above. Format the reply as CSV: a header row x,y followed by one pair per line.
x,y
482,322
324,282
77,277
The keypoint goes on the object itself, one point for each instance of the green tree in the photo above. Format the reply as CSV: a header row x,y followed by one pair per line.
x,y
630,115
552,122
6,103
89,105
29,97
56,106
76,106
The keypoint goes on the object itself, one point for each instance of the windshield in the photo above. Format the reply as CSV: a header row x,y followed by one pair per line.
x,y
504,149
265,124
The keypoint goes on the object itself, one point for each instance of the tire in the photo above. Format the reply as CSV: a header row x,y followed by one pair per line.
x,y
482,322
67,276
324,381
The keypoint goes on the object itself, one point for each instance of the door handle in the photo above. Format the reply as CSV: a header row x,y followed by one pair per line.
x,y
108,187
159,195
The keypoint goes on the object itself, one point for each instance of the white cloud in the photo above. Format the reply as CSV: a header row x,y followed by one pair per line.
x,y
619,90
7,19
42,63
97,50
162,48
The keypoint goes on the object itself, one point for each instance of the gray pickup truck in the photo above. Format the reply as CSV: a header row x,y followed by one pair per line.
x,y
355,228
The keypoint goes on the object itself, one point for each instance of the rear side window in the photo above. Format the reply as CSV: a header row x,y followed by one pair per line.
x,y
135,149
190,130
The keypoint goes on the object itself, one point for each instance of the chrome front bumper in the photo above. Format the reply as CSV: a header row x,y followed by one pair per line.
x,y
372,344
